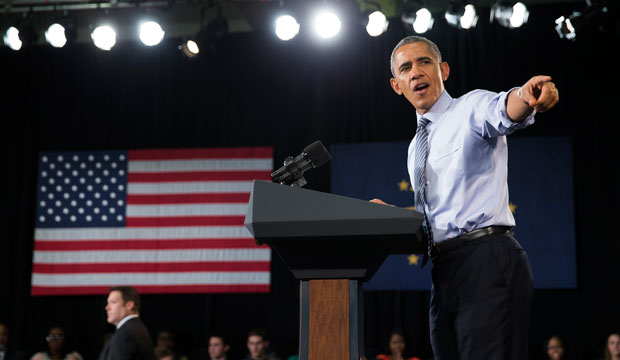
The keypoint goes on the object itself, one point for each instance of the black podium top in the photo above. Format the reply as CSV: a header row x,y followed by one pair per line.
x,y
326,236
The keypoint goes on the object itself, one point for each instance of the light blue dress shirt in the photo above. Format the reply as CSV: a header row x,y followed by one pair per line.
x,y
467,162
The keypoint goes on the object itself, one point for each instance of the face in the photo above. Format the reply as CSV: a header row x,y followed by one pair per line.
x,y
217,349
117,308
164,339
419,75
257,346
555,349
397,344
4,336
613,345
55,339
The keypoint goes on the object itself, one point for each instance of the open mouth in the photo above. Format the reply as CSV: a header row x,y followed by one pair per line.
x,y
420,88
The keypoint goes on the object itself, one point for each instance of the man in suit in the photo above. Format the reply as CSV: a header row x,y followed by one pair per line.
x,y
6,353
131,341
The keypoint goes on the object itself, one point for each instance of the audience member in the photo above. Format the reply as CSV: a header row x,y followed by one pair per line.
x,y
218,347
131,341
396,347
6,352
164,353
56,347
612,348
257,346
554,348
166,339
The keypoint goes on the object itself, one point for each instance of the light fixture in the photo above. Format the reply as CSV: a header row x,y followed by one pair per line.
x,y
377,23
204,40
564,27
461,15
286,27
11,38
61,32
326,24
595,16
104,37
510,16
417,16
151,33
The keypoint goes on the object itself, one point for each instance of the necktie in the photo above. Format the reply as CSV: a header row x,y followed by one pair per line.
x,y
421,152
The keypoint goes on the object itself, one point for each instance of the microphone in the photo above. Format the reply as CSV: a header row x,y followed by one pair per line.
x,y
292,173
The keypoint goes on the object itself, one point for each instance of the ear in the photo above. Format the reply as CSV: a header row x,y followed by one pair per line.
x,y
226,348
395,86
130,305
445,70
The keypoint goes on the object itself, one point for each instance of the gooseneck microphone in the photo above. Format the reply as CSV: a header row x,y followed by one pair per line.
x,y
292,173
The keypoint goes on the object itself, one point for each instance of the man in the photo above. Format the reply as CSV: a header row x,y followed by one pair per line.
x,y
131,339
218,347
257,346
457,161
7,353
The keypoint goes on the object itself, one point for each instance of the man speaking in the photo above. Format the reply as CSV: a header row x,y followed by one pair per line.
x,y
457,162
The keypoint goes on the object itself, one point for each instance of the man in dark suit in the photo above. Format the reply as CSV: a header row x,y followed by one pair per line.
x,y
131,341
6,353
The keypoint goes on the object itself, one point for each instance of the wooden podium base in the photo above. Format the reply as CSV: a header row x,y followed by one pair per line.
x,y
331,324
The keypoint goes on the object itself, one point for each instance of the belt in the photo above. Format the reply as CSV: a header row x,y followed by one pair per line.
x,y
456,242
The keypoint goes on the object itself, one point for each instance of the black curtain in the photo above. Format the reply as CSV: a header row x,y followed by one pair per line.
x,y
255,90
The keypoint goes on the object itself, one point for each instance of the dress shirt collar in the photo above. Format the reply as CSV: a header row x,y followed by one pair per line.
x,y
438,109
125,319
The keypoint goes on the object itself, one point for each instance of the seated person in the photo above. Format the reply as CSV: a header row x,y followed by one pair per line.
x,y
396,346
56,347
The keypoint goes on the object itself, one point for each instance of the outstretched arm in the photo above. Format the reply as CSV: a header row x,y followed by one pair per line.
x,y
538,93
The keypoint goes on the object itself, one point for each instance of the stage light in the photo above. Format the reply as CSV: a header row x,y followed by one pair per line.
x,y
461,16
327,24
151,33
565,28
104,37
55,35
423,21
190,48
287,27
11,38
377,23
509,16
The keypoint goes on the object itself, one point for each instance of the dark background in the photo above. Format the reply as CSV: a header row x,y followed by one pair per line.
x,y
258,91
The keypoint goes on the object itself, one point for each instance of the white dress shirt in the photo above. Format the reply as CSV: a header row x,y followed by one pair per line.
x,y
467,163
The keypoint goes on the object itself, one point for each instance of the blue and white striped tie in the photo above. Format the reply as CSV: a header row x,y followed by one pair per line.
x,y
421,152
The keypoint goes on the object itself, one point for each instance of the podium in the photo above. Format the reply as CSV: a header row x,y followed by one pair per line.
x,y
331,244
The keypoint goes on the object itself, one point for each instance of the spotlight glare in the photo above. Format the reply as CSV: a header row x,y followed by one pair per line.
x,y
192,47
565,28
104,37
11,38
55,35
519,15
287,27
469,18
151,33
327,24
377,23
423,21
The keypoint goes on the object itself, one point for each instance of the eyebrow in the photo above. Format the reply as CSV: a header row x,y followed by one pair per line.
x,y
408,62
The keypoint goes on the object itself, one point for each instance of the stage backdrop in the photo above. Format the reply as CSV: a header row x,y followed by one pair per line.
x,y
163,221
540,179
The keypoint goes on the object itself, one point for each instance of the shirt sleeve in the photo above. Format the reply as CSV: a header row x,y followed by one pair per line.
x,y
489,117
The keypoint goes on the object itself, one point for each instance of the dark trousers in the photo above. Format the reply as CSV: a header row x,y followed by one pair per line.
x,y
480,301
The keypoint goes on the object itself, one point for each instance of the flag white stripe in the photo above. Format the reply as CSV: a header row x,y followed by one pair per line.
x,y
150,256
135,279
189,232
195,187
200,165
186,209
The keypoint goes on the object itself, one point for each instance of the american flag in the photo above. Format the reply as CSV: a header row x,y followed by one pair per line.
x,y
163,221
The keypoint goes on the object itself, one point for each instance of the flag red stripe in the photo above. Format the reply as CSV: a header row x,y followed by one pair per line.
x,y
187,198
159,244
185,221
143,177
221,153
163,267
149,289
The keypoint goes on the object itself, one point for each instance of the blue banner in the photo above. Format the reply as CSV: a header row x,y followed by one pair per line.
x,y
540,179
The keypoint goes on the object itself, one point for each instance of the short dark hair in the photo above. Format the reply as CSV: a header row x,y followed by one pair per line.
x,y
258,332
413,39
128,293
221,336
